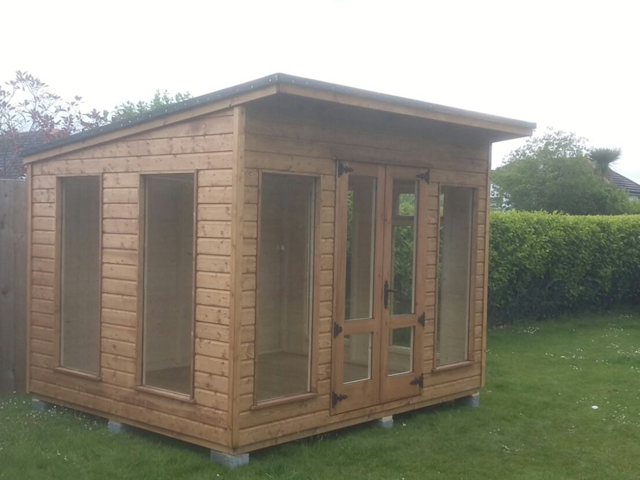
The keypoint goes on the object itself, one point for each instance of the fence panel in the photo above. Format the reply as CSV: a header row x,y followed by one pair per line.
x,y
13,285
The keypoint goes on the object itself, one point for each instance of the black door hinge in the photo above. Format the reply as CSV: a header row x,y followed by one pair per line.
x,y
426,176
336,399
422,319
418,381
342,168
337,329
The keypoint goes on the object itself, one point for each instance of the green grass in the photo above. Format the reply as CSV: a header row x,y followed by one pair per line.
x,y
536,421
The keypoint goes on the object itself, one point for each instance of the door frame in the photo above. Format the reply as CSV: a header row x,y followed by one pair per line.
x,y
379,388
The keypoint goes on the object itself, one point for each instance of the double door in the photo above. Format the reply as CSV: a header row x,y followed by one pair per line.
x,y
379,284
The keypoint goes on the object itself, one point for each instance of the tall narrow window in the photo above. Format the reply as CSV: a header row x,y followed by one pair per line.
x,y
454,268
80,274
168,282
285,285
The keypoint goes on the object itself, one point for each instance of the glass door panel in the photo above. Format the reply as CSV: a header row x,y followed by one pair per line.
x,y
357,357
403,261
361,227
400,351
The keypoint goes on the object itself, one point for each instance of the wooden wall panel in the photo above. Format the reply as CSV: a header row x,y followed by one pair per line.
x,y
42,238
203,147
119,277
286,142
213,287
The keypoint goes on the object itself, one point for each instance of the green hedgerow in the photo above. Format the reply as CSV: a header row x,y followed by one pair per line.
x,y
542,264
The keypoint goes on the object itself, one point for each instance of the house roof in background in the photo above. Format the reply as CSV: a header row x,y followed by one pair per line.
x,y
281,81
624,183
11,149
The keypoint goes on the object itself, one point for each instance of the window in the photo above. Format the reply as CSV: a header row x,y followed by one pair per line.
x,y
80,274
285,285
168,282
454,270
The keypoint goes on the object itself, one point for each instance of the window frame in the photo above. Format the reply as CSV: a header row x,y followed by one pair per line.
x,y
315,300
57,287
139,384
469,360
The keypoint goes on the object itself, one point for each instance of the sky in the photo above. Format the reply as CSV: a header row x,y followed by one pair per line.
x,y
574,66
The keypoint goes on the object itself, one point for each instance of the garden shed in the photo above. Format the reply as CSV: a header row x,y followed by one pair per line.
x,y
271,261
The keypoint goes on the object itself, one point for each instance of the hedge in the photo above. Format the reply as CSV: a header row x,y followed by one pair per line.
x,y
543,264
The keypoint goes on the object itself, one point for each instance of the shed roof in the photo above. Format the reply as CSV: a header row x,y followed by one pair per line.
x,y
624,183
293,85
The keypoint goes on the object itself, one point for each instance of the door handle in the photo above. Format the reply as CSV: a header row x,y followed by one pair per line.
x,y
387,291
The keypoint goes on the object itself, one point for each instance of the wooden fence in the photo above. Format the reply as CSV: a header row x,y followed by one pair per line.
x,y
13,285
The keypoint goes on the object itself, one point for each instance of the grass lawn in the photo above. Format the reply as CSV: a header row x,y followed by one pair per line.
x,y
537,420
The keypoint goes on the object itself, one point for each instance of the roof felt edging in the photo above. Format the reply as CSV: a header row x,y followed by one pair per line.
x,y
275,79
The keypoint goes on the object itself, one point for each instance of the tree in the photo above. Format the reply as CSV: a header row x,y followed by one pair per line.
x,y
552,173
603,158
31,114
159,100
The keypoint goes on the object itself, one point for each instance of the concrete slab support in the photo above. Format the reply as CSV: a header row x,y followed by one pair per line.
x,y
229,461
472,401
40,406
385,422
116,427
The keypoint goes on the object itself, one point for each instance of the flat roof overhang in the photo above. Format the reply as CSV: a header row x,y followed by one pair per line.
x,y
496,128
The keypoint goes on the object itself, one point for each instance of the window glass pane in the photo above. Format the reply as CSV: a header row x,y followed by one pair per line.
x,y
357,357
80,274
285,285
406,204
405,201
454,264
400,351
168,282
361,225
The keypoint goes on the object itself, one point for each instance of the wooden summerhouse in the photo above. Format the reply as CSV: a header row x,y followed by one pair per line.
x,y
264,263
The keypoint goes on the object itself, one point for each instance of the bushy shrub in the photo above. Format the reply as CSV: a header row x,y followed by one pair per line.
x,y
542,264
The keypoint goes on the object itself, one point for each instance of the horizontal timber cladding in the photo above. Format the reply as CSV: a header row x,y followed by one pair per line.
x,y
277,137
292,128
288,140
202,146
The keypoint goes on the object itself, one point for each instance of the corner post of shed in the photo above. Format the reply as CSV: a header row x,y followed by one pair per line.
x,y
28,276
485,295
237,238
